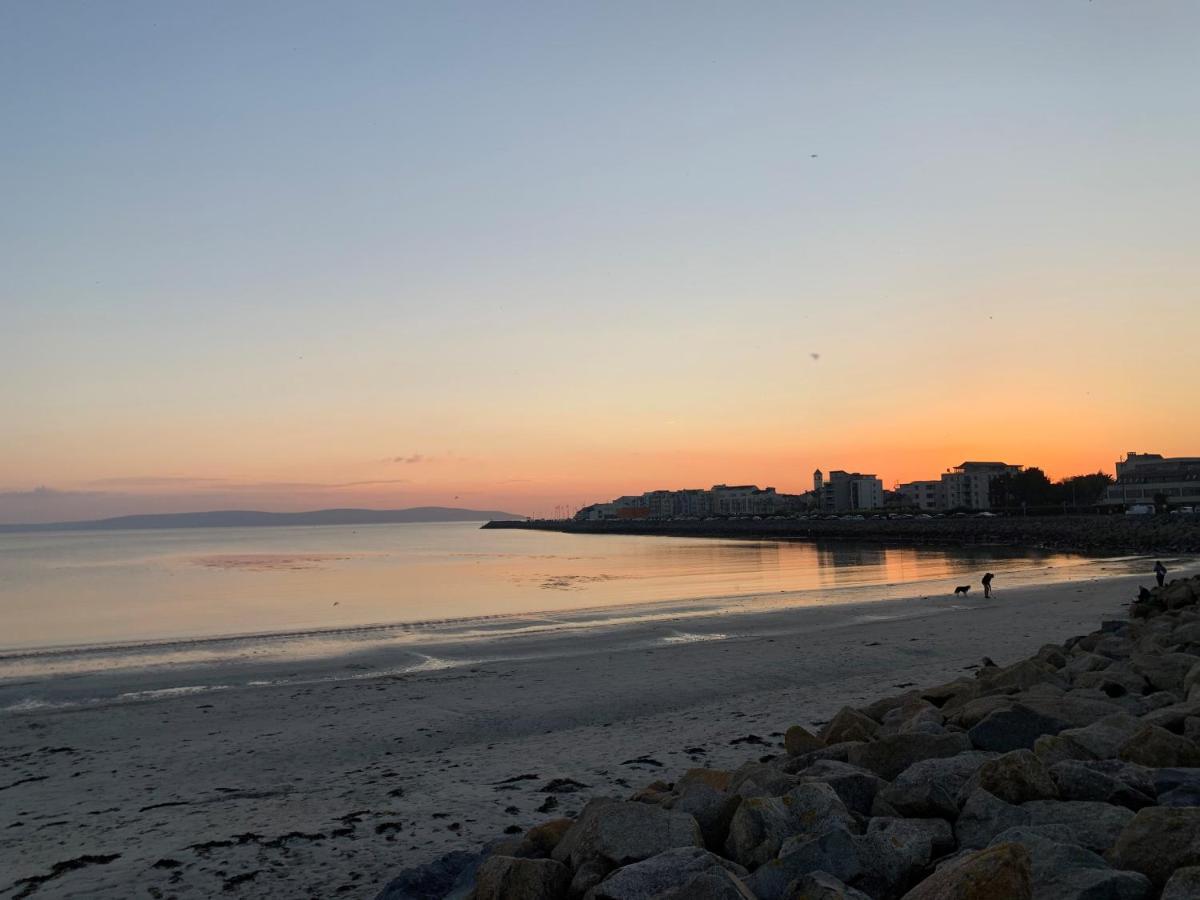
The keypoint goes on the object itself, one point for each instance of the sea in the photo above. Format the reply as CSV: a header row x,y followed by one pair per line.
x,y
172,601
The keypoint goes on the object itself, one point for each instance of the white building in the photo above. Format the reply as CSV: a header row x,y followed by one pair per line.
x,y
968,486
922,494
851,492
1149,477
743,500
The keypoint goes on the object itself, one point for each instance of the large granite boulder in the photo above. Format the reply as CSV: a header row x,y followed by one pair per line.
x,y
897,851
1013,728
513,878
1095,825
659,874
611,833
983,816
1065,871
822,886
1158,840
848,725
1105,781
762,824
711,808
891,754
451,874
1177,787
1015,777
798,740
1000,872
836,852
856,787
1183,885
1156,747
930,788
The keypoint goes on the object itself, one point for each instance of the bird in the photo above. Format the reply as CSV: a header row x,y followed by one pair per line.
x,y
815,356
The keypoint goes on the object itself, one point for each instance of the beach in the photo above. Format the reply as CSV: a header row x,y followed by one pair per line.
x,y
324,787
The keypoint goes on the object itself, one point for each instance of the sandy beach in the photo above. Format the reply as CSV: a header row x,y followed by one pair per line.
x,y
331,787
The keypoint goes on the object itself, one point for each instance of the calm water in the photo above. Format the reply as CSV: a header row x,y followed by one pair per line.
x,y
167,595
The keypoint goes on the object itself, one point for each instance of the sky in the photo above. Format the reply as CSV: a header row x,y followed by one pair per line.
x,y
523,255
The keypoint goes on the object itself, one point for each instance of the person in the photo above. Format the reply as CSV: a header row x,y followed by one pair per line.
x,y
1160,572
987,585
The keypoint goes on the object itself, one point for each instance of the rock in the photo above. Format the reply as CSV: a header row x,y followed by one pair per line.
x,y
931,787
713,884
984,816
880,708
892,754
856,787
1002,872
511,878
1164,671
1014,728
1062,870
798,740
1077,780
717,779
1173,717
610,833
1100,740
1014,777
1020,676
970,714
762,824
1051,655
666,871
761,780
1153,746
540,840
837,752
822,886
849,725
1117,680
836,852
1159,840
449,875
1095,825
952,695
712,809
896,851
1177,787
1183,885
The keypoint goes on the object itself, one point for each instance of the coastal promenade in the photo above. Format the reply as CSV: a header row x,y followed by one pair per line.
x,y
1101,535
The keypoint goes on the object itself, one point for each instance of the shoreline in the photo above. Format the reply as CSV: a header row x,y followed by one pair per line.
x,y
328,787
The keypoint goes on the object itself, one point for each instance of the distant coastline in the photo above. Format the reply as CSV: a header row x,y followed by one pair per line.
x,y
246,518
1096,535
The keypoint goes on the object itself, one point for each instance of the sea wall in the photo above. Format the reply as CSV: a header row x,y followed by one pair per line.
x,y
1073,774
1104,535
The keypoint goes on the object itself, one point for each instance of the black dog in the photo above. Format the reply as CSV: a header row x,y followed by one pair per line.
x,y
962,589
1143,594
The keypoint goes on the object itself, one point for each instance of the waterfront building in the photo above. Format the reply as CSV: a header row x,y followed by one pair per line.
x,y
1145,478
743,500
922,494
968,486
851,492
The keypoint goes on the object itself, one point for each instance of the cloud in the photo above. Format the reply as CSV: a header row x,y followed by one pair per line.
x,y
411,459
44,493
156,481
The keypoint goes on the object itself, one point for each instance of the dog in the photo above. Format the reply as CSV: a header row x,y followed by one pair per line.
x,y
962,589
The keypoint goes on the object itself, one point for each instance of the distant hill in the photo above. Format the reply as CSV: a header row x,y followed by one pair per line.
x,y
248,518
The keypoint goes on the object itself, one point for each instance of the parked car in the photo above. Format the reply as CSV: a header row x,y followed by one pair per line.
x,y
1140,509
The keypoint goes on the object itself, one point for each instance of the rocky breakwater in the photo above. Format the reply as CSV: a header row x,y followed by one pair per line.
x,y
1073,774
